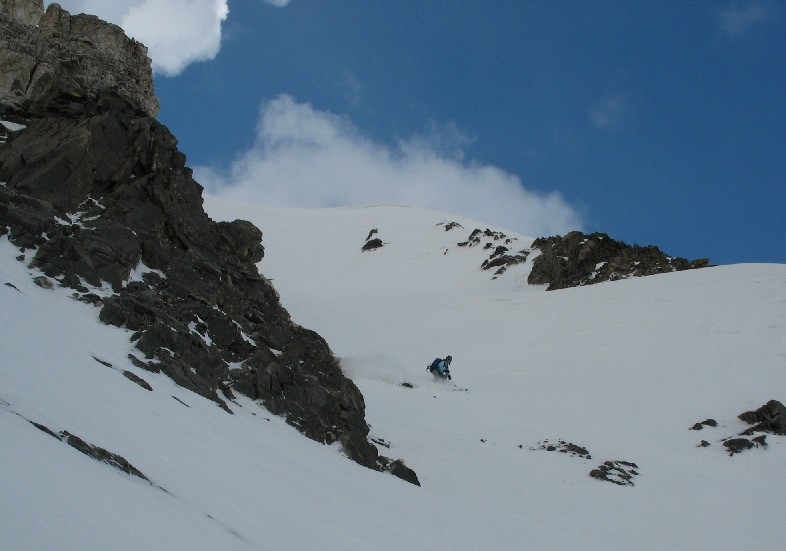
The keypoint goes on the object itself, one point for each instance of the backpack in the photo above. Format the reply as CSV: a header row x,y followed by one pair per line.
x,y
435,364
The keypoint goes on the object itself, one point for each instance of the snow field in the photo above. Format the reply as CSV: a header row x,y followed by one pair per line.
x,y
623,369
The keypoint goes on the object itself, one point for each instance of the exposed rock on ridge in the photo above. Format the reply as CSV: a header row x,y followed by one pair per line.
x,y
579,259
501,257
68,60
97,196
769,419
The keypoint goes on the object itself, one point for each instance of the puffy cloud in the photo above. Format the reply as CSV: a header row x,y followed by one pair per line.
x,y
737,18
309,158
176,32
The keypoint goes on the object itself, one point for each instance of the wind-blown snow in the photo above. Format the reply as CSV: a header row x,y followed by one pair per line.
x,y
623,369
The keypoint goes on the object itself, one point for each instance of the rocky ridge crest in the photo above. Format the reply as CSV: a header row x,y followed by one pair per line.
x,y
573,260
53,60
578,259
96,195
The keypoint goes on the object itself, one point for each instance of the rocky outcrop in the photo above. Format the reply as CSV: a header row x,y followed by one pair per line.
x,y
52,60
620,473
372,243
562,446
768,419
96,452
579,259
614,471
501,257
705,423
97,197
771,417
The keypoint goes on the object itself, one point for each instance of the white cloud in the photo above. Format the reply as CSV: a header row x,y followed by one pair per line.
x,y
277,3
737,18
176,32
609,113
309,158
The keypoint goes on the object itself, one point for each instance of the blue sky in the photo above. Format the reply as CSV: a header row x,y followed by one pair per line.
x,y
656,122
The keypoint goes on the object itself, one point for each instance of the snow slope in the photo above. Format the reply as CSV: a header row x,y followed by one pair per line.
x,y
622,369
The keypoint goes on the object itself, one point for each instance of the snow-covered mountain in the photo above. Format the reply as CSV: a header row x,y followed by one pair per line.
x,y
143,347
616,372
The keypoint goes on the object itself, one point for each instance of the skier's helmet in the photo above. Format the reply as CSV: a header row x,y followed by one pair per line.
x,y
449,359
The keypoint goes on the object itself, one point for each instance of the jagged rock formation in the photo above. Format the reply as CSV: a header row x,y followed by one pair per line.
x,y
768,419
771,417
579,259
705,423
620,473
97,196
614,471
501,257
572,260
564,447
52,57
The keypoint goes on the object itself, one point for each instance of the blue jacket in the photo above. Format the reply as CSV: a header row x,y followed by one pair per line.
x,y
442,367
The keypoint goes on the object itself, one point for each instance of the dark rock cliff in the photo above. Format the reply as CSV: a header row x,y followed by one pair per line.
x,y
94,189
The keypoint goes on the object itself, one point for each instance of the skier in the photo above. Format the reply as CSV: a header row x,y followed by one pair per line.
x,y
440,368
